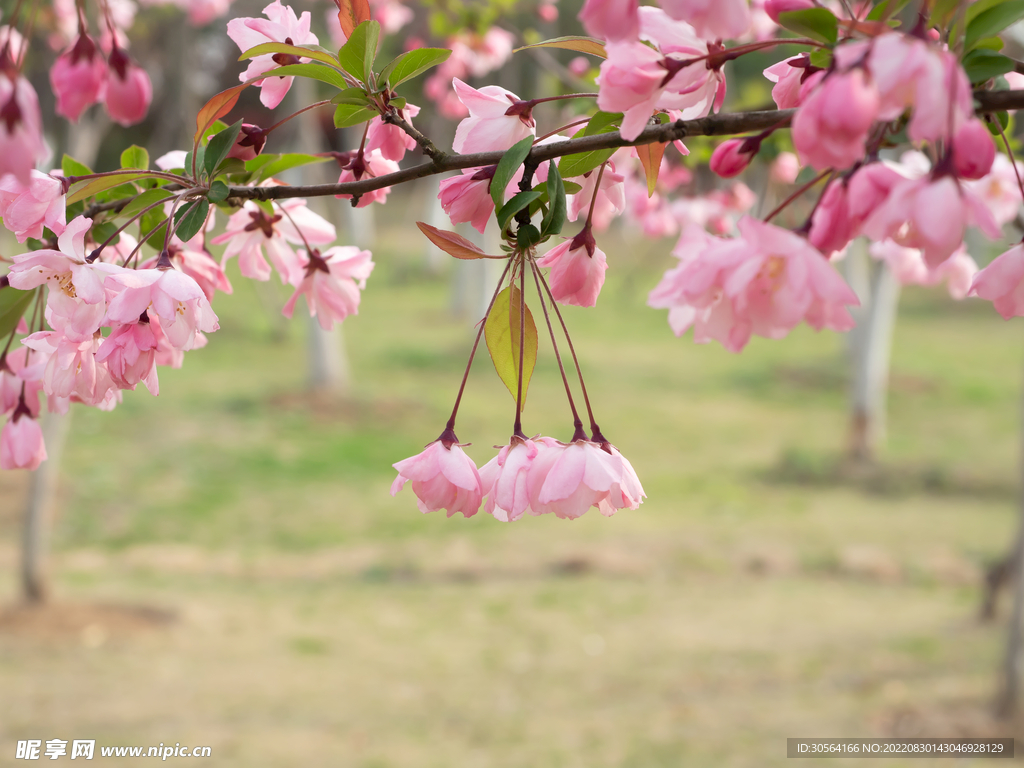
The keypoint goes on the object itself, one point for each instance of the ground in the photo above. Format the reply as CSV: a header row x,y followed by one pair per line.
x,y
230,569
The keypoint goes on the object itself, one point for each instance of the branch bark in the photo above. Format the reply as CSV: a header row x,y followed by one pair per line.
x,y
715,125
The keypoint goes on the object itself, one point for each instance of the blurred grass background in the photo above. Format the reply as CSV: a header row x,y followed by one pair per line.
x,y
760,592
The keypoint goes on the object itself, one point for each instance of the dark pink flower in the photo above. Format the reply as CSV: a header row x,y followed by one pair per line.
x,y
731,158
21,128
973,150
79,78
831,127
129,91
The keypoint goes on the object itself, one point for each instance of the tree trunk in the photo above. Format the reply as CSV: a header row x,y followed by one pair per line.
x,y
35,547
1008,703
870,350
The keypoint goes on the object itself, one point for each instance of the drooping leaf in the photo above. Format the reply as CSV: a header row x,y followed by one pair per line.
x,y
650,158
576,43
519,201
506,169
453,244
135,157
71,167
356,56
219,146
992,22
502,335
352,13
554,219
346,115
815,23
412,63
316,53
191,218
13,304
983,64
327,75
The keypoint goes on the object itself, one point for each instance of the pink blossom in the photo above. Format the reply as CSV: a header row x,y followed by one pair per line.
x,y
998,190
635,79
1002,283
443,477
198,264
765,282
280,26
354,166
69,370
129,91
548,12
172,296
577,270
712,19
774,7
869,187
171,160
250,232
794,80
611,19
831,127
21,128
21,443
973,150
909,268
729,158
785,168
391,140
931,215
13,380
468,198
504,479
79,78
129,353
611,197
26,210
489,52
569,479
489,127
831,226
332,283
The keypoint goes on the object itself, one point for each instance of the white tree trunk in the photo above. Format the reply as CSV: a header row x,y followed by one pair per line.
x,y
870,349
35,549
1008,703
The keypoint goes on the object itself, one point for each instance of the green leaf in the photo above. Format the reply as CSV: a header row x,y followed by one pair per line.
x,y
218,192
991,43
1004,121
527,237
886,9
355,96
821,58
583,162
507,167
266,166
992,22
356,56
219,146
192,218
145,199
816,23
135,157
71,167
501,331
86,189
576,43
316,53
117,193
100,232
983,64
149,226
312,71
411,64
554,219
347,115
515,205
13,304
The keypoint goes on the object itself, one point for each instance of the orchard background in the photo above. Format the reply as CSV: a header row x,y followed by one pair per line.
x,y
224,565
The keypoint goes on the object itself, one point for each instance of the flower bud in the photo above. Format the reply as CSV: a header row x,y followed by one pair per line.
x,y
774,7
730,158
973,150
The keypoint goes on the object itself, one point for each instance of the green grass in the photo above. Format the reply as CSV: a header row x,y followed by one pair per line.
x,y
757,594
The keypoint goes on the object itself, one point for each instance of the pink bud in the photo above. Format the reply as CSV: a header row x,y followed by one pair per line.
x,y
579,66
729,158
129,91
78,78
547,12
774,7
973,150
249,143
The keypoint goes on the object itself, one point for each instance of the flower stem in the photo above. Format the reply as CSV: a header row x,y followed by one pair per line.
x,y
577,423
517,428
597,188
797,194
284,120
476,343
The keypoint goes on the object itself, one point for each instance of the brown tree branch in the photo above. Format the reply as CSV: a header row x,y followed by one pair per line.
x,y
714,125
